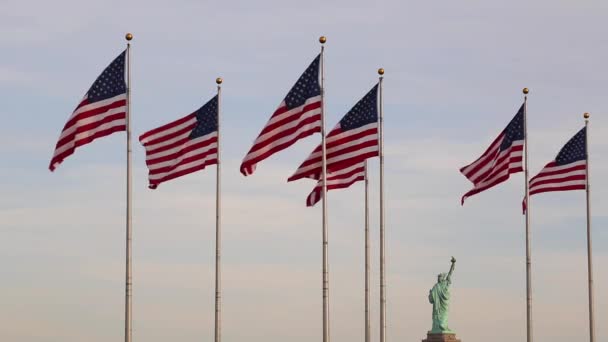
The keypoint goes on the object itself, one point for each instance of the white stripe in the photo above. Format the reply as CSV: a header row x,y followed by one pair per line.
x,y
344,171
87,134
166,132
491,165
307,169
280,129
334,179
95,105
562,167
181,157
557,176
182,146
194,163
484,157
339,181
90,120
268,147
371,136
292,111
504,171
559,185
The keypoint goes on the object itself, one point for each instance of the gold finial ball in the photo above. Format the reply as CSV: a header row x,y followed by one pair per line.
x,y
586,115
219,80
526,91
128,36
381,71
322,39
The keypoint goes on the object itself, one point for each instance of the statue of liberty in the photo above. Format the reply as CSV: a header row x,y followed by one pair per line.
x,y
439,296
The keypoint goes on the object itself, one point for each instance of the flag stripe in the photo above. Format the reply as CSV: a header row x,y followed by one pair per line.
x,y
340,179
200,146
102,111
348,148
508,161
184,146
568,171
502,158
298,116
309,122
286,139
336,140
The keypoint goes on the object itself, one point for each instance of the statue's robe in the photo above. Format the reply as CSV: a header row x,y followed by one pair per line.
x,y
440,298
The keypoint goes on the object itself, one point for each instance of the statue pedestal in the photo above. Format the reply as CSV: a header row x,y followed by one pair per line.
x,y
442,337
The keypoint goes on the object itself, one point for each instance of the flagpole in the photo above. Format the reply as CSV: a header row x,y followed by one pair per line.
x,y
322,40
367,280
589,260
218,221
382,235
528,249
129,279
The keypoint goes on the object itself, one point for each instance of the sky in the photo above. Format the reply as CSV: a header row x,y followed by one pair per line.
x,y
454,75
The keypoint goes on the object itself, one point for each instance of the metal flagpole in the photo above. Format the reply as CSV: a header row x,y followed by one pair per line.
x,y
589,261
528,257
322,40
382,236
218,220
367,280
129,279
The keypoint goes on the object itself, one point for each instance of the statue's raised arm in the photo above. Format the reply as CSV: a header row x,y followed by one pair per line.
x,y
449,278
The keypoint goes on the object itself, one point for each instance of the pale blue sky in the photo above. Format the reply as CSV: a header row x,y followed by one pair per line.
x,y
454,74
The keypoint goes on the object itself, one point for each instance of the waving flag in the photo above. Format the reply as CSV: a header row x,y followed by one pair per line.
x,y
567,172
298,116
351,141
339,179
182,146
500,160
101,112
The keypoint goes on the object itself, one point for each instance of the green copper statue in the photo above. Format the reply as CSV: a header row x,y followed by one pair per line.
x,y
439,296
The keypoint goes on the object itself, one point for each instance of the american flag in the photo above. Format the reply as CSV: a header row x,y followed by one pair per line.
x,y
567,172
101,112
182,146
298,116
338,179
352,140
500,160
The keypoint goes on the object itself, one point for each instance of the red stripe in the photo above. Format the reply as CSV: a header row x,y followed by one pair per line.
x,y
485,155
337,153
334,166
166,127
154,185
58,159
184,161
92,112
494,182
247,167
285,133
560,188
497,161
548,172
288,119
342,141
89,127
184,150
557,181
168,137
318,188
